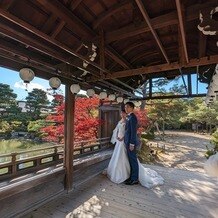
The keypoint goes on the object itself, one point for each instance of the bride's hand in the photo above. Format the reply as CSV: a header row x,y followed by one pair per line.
x,y
119,139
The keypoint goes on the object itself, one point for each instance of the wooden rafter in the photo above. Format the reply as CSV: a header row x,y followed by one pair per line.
x,y
119,59
58,29
147,19
162,67
74,4
48,24
114,9
162,21
33,43
180,12
7,4
47,38
72,20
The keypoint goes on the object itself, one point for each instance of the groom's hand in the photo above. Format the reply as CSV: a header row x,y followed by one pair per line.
x,y
131,147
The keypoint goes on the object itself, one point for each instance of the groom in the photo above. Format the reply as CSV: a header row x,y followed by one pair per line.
x,y
130,140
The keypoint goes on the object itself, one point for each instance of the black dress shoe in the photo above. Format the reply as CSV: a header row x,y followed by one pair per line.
x,y
132,182
127,180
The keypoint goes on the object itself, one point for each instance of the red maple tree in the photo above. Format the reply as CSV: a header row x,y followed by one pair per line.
x,y
143,120
86,120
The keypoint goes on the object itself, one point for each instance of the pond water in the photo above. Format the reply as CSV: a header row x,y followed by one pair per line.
x,y
16,145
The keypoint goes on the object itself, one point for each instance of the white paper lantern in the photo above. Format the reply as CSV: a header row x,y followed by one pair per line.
x,y
55,82
26,74
75,88
125,101
111,97
90,92
120,99
137,103
103,95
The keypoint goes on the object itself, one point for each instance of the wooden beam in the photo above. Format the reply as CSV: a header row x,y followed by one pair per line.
x,y
58,29
162,67
192,13
147,19
47,38
170,97
180,11
117,58
202,45
102,50
114,9
66,15
69,137
181,51
74,4
6,5
48,24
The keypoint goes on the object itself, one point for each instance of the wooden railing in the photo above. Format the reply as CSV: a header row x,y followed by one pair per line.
x,y
17,164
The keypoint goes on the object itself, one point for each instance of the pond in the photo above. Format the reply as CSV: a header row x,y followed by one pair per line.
x,y
16,145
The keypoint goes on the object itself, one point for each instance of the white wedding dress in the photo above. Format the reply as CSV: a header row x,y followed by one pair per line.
x,y
119,169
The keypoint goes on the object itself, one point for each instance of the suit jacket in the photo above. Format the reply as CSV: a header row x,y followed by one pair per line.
x,y
130,136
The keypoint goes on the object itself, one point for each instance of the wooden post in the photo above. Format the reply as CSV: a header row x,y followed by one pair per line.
x,y
150,87
189,84
69,136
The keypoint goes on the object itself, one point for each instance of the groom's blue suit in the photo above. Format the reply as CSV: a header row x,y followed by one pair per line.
x,y
130,137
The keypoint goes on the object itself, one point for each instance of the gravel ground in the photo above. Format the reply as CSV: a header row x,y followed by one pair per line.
x,y
184,150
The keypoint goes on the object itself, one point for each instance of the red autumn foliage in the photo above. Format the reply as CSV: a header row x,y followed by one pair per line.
x,y
86,121
143,120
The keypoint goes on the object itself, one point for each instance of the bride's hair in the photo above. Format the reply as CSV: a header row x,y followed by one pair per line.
x,y
123,110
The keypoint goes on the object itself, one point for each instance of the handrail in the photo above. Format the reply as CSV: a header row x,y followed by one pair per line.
x,y
15,165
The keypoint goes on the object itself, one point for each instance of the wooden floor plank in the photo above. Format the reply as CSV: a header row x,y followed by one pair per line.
x,y
184,194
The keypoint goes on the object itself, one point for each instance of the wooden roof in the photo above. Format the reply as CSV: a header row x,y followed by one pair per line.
x,y
135,40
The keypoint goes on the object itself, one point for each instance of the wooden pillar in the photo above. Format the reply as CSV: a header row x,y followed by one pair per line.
x,y
150,87
69,137
189,84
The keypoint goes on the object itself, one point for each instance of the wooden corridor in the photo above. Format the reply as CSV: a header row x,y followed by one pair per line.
x,y
184,194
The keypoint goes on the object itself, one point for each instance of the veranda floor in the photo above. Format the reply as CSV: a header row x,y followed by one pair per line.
x,y
184,194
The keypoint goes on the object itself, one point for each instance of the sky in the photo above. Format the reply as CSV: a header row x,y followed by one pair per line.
x,y
12,78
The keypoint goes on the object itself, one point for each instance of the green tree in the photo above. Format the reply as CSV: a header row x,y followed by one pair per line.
x,y
199,113
166,112
36,101
7,100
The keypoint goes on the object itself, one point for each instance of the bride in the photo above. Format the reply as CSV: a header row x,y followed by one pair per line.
x,y
119,168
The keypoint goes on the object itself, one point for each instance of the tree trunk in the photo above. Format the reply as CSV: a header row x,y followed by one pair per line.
x,y
163,128
144,91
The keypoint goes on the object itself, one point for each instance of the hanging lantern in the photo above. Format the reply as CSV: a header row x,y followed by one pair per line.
x,y
90,92
120,99
75,88
111,97
103,95
125,101
26,74
137,103
55,83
